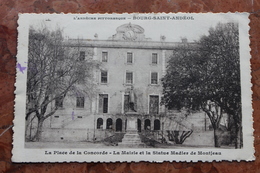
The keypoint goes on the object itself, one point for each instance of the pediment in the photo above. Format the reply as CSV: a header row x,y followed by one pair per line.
x,y
129,32
126,27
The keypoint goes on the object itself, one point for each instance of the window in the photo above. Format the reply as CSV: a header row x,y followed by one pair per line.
x,y
154,104
154,78
99,123
80,76
81,55
104,56
104,77
129,77
126,103
59,102
129,59
154,58
103,103
128,106
80,102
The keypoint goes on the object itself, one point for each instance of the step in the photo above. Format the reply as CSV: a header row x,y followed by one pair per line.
x,y
131,140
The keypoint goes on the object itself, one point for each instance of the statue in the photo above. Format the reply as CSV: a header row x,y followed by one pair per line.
x,y
132,99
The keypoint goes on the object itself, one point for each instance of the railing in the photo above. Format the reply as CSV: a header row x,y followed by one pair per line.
x,y
151,138
175,136
114,139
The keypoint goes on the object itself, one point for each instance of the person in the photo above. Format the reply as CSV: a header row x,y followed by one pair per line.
x,y
132,99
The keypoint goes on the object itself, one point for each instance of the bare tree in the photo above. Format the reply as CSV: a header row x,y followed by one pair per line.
x,y
55,69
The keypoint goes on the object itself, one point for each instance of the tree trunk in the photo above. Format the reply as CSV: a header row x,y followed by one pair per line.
x,y
216,138
238,130
239,137
29,128
39,130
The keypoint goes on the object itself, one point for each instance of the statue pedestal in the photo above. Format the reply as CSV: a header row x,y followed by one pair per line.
x,y
131,138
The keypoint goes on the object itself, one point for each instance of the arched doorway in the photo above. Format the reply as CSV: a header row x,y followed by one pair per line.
x,y
139,125
157,125
125,124
147,124
109,123
99,123
119,124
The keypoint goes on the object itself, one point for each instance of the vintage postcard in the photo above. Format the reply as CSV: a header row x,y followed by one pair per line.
x,y
133,87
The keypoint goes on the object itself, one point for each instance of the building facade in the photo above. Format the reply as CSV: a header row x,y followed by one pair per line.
x,y
128,79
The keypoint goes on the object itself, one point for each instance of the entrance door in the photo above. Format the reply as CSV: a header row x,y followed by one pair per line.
x,y
157,124
147,124
118,125
154,104
139,125
125,124
109,123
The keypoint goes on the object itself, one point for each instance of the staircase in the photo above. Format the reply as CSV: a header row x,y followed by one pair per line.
x,y
148,140
131,139
114,139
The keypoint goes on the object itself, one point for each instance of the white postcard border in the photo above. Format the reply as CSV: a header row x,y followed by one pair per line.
x,y
22,154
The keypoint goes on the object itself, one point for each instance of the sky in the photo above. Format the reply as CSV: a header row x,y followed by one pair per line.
x,y
173,30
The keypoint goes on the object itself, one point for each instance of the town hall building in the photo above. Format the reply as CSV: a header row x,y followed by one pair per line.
x,y
128,80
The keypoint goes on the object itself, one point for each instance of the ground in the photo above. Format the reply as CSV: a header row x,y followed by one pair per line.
x,y
99,145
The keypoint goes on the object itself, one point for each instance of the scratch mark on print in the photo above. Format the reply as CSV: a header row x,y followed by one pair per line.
x,y
6,130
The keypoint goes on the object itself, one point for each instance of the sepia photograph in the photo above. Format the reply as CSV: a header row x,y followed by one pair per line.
x,y
135,81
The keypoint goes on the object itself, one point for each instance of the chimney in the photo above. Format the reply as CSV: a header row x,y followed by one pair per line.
x,y
162,38
184,40
96,36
